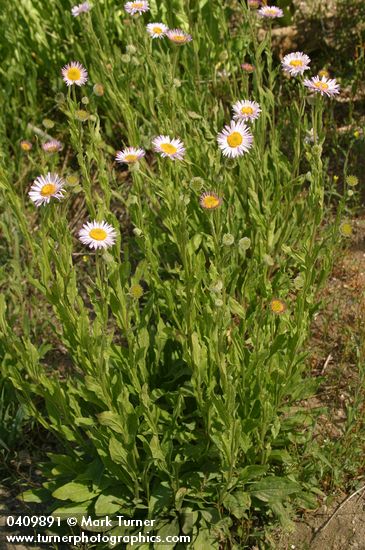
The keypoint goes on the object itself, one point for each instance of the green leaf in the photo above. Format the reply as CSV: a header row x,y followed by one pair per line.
x,y
205,540
112,420
68,510
107,503
170,529
77,492
273,489
35,495
236,308
194,115
161,497
237,503
118,452
252,472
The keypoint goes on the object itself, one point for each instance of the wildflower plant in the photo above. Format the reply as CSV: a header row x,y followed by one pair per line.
x,y
180,402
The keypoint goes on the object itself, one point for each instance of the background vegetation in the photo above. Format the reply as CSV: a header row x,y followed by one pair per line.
x,y
183,400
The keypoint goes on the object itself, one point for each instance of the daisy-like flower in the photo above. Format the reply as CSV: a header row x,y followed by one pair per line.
x,y
178,36
26,145
235,139
172,148
210,200
45,188
97,234
136,7
80,8
324,86
74,73
157,30
295,63
271,12
129,155
277,306
52,146
246,110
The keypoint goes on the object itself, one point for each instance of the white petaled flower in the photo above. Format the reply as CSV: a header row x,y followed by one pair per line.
x,y
97,234
74,73
172,148
295,63
235,139
136,7
157,30
324,86
129,155
246,110
178,36
81,8
45,188
52,146
271,12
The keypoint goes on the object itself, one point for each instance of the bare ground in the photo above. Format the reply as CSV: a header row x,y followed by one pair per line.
x,y
339,523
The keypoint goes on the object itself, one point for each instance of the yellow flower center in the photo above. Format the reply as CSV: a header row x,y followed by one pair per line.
x,y
247,110
277,306
137,5
48,189
98,234
321,85
53,148
157,30
323,72
130,158
210,201
296,63
168,148
74,73
178,38
271,11
25,146
235,139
